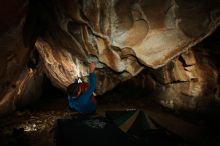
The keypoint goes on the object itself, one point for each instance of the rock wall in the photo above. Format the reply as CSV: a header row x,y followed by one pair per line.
x,y
189,82
123,37
19,84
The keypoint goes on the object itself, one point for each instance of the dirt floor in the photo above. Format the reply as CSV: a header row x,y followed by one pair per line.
x,y
35,124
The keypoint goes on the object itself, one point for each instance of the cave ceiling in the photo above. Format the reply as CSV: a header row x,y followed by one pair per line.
x,y
123,37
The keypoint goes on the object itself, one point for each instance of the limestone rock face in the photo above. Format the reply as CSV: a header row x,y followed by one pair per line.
x,y
123,37
188,82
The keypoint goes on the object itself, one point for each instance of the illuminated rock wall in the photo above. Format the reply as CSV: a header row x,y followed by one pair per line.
x,y
188,82
123,37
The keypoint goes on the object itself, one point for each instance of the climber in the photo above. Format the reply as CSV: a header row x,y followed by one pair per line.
x,y
80,95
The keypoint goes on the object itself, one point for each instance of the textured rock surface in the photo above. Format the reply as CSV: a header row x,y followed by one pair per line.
x,y
125,36
19,84
122,36
188,82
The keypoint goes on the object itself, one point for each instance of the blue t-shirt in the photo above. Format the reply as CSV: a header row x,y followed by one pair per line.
x,y
84,104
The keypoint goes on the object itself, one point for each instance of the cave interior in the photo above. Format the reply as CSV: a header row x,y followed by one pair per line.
x,y
157,59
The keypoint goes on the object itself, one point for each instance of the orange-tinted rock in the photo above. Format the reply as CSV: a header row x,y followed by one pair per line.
x,y
122,36
186,87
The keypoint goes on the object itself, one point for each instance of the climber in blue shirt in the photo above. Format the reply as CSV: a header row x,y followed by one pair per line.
x,y
83,101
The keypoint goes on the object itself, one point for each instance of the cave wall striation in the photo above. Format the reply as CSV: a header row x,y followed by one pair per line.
x,y
123,37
